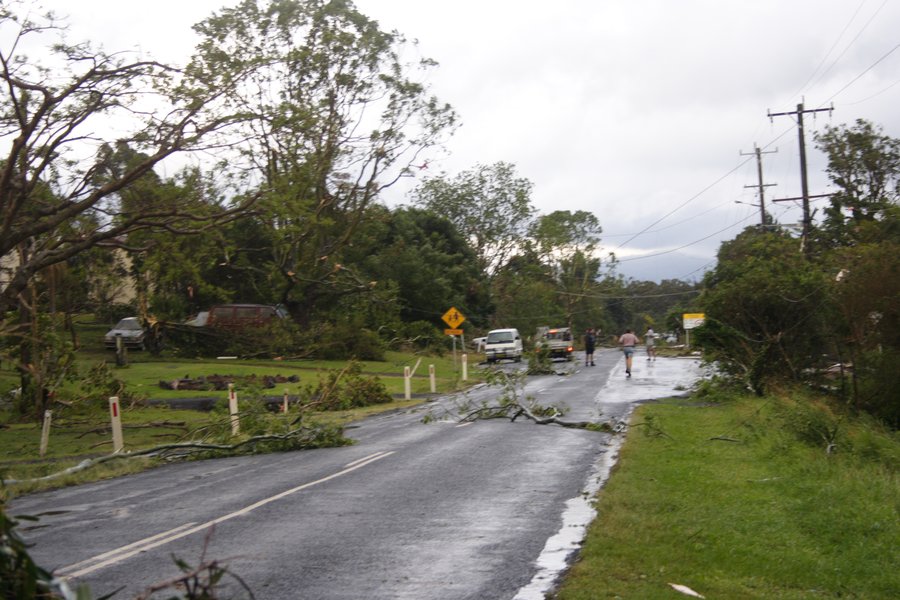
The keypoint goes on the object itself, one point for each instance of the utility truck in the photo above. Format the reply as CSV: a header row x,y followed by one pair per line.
x,y
556,342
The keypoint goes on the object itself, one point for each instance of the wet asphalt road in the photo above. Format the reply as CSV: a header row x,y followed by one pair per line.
x,y
412,510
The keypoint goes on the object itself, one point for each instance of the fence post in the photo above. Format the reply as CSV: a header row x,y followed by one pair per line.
x,y
407,383
121,352
114,413
465,367
233,410
431,377
45,432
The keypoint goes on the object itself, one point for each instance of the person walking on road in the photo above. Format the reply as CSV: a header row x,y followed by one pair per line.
x,y
589,343
650,342
628,341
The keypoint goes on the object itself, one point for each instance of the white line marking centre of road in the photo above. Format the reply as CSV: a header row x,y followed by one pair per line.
x,y
112,557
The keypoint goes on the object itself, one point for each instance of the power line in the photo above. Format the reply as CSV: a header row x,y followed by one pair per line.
x,y
869,68
875,95
629,297
830,50
703,239
853,41
685,203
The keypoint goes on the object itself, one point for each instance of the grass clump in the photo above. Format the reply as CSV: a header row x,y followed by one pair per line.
x,y
746,498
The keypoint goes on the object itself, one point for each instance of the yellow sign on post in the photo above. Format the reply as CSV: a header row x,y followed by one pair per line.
x,y
453,318
693,320
453,332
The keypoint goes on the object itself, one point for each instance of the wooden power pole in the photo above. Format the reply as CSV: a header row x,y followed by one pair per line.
x,y
762,186
804,184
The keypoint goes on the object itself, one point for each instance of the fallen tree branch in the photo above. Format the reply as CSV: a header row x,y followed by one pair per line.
x,y
514,410
106,428
173,450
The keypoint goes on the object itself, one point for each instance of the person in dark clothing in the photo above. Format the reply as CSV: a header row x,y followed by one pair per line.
x,y
589,342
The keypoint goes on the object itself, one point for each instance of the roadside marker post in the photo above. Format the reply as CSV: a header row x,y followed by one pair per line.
x,y
116,417
121,352
233,410
431,378
45,432
407,383
284,404
465,366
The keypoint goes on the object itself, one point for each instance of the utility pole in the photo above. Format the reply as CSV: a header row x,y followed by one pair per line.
x,y
807,218
760,185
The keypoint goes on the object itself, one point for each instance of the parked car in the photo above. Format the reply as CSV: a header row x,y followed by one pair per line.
x,y
503,343
130,331
242,316
198,320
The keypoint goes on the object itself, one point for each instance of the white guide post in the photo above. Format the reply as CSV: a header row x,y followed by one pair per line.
x,y
233,410
465,367
116,418
45,432
407,383
431,378
284,403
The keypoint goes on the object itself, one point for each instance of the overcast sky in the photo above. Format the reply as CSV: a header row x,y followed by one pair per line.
x,y
635,110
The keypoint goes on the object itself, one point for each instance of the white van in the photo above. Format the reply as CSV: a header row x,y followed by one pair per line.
x,y
503,343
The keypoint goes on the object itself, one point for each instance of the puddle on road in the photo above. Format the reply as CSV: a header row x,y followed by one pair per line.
x,y
579,513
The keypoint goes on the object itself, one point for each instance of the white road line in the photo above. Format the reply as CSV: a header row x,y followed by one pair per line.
x,y
465,424
363,459
62,572
114,556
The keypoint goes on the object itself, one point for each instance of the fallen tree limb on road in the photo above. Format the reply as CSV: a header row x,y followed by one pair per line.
x,y
297,439
514,410
511,406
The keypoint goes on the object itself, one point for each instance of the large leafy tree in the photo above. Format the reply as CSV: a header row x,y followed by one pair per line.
x,y
489,204
765,305
333,115
525,294
864,166
58,122
69,115
867,300
427,261
568,244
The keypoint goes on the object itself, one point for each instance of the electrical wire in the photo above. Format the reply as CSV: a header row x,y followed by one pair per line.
x,y
853,41
875,95
830,50
683,204
621,260
630,297
855,79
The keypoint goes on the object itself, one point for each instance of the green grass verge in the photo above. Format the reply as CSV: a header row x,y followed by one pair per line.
x,y
87,435
82,430
739,499
144,373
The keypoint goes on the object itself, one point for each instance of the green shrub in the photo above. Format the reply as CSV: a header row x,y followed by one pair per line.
x,y
280,337
344,341
539,362
878,380
349,388
421,336
812,423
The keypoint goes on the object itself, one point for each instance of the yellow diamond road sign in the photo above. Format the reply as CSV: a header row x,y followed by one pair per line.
x,y
453,318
